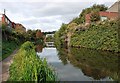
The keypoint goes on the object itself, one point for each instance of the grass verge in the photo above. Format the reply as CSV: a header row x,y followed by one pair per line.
x,y
27,66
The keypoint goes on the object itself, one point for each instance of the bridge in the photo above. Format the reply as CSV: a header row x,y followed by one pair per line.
x,y
49,44
52,35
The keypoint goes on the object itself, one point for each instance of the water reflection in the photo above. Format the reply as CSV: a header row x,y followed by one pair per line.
x,y
95,64
39,48
98,65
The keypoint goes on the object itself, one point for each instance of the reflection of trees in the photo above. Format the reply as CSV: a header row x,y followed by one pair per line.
x,y
62,55
39,48
95,64
95,73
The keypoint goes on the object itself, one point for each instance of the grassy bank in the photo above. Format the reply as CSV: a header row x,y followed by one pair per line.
x,y
8,48
102,36
27,66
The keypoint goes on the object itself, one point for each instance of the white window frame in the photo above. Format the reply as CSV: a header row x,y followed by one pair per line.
x,y
103,18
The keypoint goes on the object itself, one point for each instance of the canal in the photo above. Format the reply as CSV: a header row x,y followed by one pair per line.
x,y
80,64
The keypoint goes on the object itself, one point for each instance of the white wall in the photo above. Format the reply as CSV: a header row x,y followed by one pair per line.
x,y
113,8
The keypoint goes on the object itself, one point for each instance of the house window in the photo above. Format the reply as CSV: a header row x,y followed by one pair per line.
x,y
103,18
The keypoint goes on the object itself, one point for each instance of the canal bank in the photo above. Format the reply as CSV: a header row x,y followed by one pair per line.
x,y
80,64
5,64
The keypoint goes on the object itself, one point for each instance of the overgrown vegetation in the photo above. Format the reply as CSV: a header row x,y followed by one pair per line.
x,y
99,36
10,41
60,35
27,66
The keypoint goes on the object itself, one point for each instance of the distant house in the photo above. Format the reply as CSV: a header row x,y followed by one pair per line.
x,y
111,13
19,28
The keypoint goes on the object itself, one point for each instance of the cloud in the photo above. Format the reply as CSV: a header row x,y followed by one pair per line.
x,y
45,15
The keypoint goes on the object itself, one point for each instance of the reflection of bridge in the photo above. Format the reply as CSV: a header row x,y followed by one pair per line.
x,y
49,44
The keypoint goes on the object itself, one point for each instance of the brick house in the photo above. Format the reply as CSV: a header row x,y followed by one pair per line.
x,y
111,13
20,28
6,21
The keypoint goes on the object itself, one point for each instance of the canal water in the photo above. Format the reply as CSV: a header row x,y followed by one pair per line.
x,y
80,64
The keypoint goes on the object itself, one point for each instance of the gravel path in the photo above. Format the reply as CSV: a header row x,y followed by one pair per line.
x,y
4,67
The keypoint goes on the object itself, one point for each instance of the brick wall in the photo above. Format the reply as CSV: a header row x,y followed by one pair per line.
x,y
109,15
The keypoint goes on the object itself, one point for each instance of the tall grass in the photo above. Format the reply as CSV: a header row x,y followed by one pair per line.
x,y
27,66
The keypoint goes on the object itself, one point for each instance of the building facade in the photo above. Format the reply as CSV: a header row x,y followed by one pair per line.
x,y
114,7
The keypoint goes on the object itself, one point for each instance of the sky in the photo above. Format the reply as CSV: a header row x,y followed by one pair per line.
x,y
46,15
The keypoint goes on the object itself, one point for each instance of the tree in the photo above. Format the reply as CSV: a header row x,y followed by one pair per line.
x,y
76,20
31,35
38,34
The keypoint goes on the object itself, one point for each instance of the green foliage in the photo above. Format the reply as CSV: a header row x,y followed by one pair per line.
x,y
8,48
95,16
76,20
31,35
99,36
10,41
39,41
60,35
49,39
57,41
34,36
62,29
27,66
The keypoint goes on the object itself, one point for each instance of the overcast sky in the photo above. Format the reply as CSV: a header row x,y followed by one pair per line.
x,y
47,15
